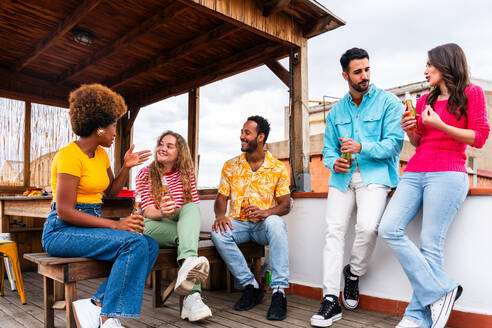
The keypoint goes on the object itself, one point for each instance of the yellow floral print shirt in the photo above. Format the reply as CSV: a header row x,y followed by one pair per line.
x,y
261,188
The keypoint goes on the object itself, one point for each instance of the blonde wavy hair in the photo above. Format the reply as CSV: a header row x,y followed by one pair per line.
x,y
184,164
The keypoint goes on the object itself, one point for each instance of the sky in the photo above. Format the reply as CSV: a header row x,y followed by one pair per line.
x,y
397,36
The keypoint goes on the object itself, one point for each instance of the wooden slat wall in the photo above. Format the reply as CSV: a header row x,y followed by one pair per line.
x,y
247,13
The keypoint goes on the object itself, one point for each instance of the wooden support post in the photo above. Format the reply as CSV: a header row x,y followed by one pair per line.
x,y
193,125
4,219
27,144
122,143
299,118
156,288
49,313
70,296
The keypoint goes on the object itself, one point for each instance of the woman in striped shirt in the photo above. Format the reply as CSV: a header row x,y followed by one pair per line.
x,y
172,216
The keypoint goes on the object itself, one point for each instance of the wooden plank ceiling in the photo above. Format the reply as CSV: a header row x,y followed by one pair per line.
x,y
147,50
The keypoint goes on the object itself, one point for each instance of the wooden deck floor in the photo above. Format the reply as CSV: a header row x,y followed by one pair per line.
x,y
300,309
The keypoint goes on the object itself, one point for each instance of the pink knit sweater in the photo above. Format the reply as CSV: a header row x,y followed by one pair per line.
x,y
437,150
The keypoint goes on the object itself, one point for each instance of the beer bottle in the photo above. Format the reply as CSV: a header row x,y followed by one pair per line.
x,y
242,212
167,192
409,108
137,209
137,204
348,156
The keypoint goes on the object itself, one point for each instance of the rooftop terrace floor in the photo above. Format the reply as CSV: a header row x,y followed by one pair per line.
x,y
300,309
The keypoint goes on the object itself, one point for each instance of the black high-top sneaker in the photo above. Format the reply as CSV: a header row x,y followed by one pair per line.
x,y
251,296
278,308
329,312
350,295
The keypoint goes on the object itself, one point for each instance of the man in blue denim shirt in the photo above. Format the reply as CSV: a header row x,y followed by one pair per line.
x,y
366,124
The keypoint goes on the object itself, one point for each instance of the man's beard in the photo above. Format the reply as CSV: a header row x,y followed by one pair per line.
x,y
250,146
357,87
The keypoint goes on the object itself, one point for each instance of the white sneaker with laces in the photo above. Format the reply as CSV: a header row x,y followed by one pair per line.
x,y
194,309
193,272
407,323
441,309
111,323
86,313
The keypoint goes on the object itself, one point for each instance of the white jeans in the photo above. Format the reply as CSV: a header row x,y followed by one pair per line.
x,y
371,201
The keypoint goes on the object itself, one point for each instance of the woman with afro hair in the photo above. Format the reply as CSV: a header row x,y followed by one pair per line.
x,y
80,175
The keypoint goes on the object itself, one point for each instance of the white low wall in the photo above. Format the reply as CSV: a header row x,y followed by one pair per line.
x,y
468,250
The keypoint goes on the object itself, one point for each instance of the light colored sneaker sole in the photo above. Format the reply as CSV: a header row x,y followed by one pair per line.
x,y
443,317
347,306
325,323
197,316
195,276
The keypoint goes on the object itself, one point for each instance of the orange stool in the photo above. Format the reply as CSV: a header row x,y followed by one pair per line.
x,y
9,248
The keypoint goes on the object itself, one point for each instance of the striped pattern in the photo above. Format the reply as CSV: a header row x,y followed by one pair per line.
x,y
174,183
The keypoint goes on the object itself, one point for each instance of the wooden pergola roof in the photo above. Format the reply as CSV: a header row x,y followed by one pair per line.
x,y
147,50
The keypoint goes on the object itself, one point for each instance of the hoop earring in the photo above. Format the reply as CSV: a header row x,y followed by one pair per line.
x,y
100,132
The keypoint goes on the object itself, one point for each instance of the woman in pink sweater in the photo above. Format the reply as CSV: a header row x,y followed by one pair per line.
x,y
452,116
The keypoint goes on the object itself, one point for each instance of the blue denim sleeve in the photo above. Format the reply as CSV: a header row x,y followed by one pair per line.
x,y
391,141
331,146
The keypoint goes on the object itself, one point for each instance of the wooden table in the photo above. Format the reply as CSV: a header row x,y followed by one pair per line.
x,y
39,207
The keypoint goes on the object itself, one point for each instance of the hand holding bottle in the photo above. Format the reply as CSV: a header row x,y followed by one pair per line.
x,y
167,205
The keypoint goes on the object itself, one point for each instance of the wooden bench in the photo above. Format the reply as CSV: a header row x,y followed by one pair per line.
x,y
67,271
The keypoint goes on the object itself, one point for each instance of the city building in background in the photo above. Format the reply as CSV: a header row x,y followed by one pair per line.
x,y
479,163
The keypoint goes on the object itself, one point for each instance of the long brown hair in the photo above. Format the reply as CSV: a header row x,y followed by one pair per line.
x,y
183,163
450,61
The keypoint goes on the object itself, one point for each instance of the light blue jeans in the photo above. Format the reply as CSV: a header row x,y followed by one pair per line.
x,y
133,256
441,194
271,231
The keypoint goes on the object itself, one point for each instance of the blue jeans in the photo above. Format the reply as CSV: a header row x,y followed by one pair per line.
x,y
271,231
133,256
441,194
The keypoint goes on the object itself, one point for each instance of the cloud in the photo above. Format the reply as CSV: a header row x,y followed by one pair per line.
x,y
397,35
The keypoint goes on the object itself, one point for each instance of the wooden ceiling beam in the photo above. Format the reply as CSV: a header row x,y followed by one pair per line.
x,y
271,7
236,63
163,16
180,51
68,23
322,25
28,88
278,70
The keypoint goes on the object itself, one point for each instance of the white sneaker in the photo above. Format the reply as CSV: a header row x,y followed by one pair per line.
x,y
441,309
111,323
86,313
407,323
193,272
194,309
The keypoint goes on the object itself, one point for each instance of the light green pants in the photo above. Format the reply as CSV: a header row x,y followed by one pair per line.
x,y
180,230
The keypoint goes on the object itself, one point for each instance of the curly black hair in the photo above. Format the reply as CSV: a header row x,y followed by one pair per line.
x,y
349,55
93,106
262,126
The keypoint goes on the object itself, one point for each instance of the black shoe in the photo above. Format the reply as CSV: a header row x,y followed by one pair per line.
x,y
350,296
251,296
329,312
278,308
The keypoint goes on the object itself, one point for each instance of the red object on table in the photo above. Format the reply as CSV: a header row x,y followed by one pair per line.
x,y
126,193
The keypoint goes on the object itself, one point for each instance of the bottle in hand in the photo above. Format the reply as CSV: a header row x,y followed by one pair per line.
x,y
137,209
409,108
166,192
242,213
348,157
